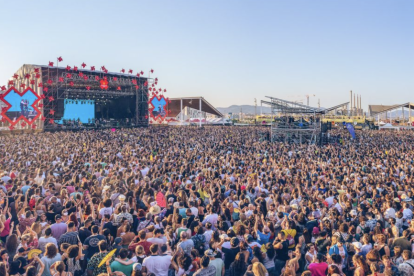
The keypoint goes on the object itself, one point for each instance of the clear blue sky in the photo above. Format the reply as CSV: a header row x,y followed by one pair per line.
x,y
229,51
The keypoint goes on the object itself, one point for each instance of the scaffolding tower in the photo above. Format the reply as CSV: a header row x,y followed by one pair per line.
x,y
294,122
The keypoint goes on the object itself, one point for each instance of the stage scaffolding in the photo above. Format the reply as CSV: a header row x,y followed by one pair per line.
x,y
293,122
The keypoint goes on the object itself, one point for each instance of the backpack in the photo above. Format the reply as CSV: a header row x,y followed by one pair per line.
x,y
199,243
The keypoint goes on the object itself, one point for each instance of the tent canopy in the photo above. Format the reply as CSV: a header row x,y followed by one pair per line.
x,y
194,103
379,109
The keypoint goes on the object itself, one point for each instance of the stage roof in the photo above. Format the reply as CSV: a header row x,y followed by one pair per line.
x,y
379,109
192,102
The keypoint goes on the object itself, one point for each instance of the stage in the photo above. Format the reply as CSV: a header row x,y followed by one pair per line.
x,y
52,98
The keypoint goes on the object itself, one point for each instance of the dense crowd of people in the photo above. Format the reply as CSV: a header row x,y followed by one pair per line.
x,y
212,201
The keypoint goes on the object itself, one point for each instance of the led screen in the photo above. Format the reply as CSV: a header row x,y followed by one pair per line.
x,y
79,109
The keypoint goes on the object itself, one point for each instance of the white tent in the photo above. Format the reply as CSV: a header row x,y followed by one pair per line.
x,y
389,126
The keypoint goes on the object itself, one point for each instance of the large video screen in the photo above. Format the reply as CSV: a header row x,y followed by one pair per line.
x,y
21,105
79,109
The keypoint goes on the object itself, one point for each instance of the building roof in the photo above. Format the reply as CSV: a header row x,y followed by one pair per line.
x,y
191,102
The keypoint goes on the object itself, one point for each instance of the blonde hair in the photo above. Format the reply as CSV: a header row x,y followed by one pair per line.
x,y
259,269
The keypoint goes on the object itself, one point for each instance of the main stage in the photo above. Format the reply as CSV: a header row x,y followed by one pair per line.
x,y
47,97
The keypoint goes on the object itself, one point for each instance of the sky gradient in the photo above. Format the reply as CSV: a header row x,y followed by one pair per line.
x,y
228,51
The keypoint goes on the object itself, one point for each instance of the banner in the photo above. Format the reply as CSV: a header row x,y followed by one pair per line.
x,y
351,129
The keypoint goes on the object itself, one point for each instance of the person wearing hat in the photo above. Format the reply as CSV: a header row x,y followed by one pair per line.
x,y
154,209
59,227
217,263
230,253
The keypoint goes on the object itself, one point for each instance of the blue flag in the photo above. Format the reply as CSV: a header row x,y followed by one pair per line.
x,y
351,129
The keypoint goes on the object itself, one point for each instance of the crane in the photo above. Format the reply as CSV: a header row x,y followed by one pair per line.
x,y
307,97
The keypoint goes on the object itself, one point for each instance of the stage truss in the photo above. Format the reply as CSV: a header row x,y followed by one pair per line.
x,y
293,122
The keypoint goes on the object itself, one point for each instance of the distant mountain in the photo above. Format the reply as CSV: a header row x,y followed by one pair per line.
x,y
246,109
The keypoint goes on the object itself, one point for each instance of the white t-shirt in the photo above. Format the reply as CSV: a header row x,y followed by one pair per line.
x,y
157,264
106,211
144,171
194,211
159,241
212,218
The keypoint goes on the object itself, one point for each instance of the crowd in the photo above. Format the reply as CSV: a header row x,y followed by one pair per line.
x,y
213,201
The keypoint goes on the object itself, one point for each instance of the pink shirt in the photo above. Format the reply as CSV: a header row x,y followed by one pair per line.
x,y
318,269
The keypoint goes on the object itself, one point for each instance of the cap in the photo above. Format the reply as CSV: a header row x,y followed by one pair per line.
x,y
249,238
357,245
234,242
137,267
118,240
209,253
58,217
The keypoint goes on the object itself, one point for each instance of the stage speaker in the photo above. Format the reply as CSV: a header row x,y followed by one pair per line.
x,y
60,108
324,128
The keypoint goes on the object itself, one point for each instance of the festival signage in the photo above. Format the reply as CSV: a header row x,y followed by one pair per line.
x,y
20,106
158,108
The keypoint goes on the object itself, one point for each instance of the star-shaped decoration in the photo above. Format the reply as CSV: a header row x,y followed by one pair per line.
x,y
130,71
138,75
150,89
51,99
136,87
40,84
88,88
134,81
23,124
45,89
83,65
165,90
3,119
75,68
51,121
115,78
71,83
50,63
11,82
106,71
97,78
80,74
3,88
43,118
153,85
34,126
4,109
92,68
27,76
32,81
40,105
122,70
68,76
43,96
156,79
11,127
142,73
61,79
118,88
49,81
37,76
15,76
152,70
103,68
68,67
52,112
60,59
22,85
85,77
37,70
146,116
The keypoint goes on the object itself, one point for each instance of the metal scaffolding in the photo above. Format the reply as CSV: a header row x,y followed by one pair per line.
x,y
294,122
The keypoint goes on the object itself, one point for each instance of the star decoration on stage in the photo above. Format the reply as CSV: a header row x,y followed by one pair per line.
x,y
83,65
51,63
60,59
